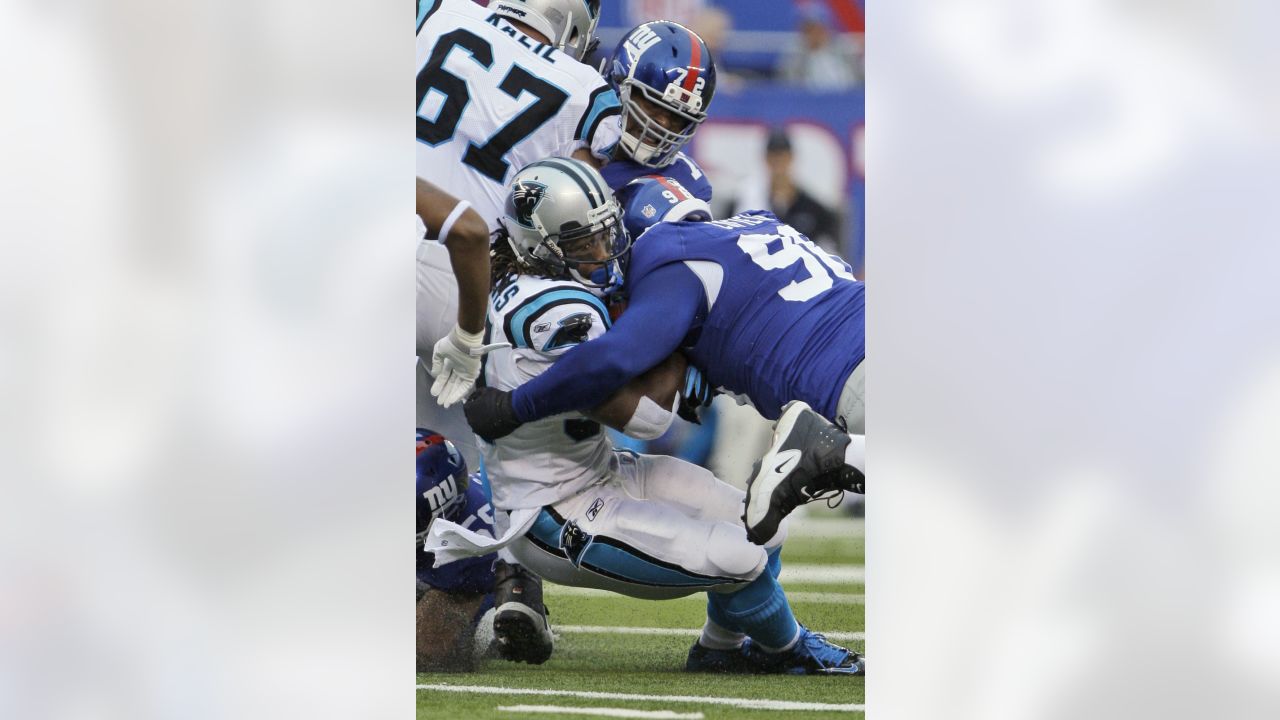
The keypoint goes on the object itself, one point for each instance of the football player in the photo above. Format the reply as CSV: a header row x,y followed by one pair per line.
x,y
453,597
761,311
497,88
582,513
665,78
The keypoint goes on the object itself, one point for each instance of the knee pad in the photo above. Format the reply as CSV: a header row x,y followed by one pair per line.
x,y
729,551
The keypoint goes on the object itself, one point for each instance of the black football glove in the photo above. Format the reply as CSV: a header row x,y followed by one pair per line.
x,y
490,413
695,394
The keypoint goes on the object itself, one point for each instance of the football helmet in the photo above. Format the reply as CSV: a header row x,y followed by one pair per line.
x,y
652,199
562,221
668,65
570,24
442,478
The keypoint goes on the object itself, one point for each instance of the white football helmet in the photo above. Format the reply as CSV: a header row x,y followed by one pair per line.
x,y
571,24
561,220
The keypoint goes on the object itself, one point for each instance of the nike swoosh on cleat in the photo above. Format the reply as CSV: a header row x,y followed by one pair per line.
x,y
763,489
786,465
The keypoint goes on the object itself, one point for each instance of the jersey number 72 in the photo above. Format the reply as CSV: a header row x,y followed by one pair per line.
x,y
486,158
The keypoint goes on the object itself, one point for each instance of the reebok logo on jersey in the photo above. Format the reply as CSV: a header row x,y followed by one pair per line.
x,y
595,509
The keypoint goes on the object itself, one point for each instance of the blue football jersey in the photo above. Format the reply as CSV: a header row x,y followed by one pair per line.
x,y
469,575
684,170
784,320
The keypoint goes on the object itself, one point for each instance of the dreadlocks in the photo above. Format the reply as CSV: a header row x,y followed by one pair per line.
x,y
503,263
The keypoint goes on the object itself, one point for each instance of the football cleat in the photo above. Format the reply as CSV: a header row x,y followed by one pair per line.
x,y
520,629
706,660
813,654
804,463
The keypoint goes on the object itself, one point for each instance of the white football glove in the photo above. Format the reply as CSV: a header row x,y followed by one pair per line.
x,y
455,364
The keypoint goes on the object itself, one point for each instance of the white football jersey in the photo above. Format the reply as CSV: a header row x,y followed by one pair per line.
x,y
548,460
492,100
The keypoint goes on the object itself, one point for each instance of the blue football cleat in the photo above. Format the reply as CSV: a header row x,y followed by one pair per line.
x,y
813,654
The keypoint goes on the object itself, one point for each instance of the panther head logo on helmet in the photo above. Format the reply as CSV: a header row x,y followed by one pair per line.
x,y
526,195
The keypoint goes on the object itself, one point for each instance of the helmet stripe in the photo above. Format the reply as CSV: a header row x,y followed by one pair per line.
x,y
569,169
677,190
695,61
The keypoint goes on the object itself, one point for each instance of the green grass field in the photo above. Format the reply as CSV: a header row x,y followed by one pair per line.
x,y
612,644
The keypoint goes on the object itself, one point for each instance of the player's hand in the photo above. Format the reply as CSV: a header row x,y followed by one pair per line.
x,y
490,413
455,364
694,395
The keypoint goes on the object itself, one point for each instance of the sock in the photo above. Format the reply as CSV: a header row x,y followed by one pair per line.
x,y
716,637
855,453
760,610
775,562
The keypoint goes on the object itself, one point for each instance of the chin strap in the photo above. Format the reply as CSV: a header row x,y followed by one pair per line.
x,y
608,278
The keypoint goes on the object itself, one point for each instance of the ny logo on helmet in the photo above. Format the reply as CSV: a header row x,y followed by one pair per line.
x,y
525,197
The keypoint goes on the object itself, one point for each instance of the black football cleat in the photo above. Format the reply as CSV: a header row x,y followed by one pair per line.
x,y
703,659
804,463
520,629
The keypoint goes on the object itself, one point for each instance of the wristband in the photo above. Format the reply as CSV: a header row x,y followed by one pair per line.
x,y
456,213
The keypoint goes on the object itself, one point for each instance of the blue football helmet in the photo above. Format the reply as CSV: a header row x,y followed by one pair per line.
x,y
442,478
666,64
651,199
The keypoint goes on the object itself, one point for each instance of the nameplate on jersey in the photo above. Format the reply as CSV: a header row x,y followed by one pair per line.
x,y
541,50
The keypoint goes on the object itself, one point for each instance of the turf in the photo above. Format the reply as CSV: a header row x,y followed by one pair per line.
x,y
652,664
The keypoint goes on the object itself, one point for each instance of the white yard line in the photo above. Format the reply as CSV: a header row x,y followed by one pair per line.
x,y
823,523
601,711
685,632
553,591
823,574
748,703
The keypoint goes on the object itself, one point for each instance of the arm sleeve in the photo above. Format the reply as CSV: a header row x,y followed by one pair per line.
x,y
600,126
661,312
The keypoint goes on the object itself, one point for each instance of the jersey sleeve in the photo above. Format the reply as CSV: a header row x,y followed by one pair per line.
x,y
662,310
550,323
600,126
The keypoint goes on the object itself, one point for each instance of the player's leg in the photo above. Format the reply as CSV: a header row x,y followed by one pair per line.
x,y
810,459
445,626
521,632
750,626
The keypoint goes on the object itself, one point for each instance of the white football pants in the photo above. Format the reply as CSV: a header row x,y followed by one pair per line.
x,y
659,528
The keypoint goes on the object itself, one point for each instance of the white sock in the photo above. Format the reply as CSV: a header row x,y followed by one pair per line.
x,y
715,637
856,452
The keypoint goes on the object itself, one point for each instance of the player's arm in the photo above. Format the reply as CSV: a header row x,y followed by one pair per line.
x,y
585,156
466,235
445,631
455,362
599,127
662,310
645,407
